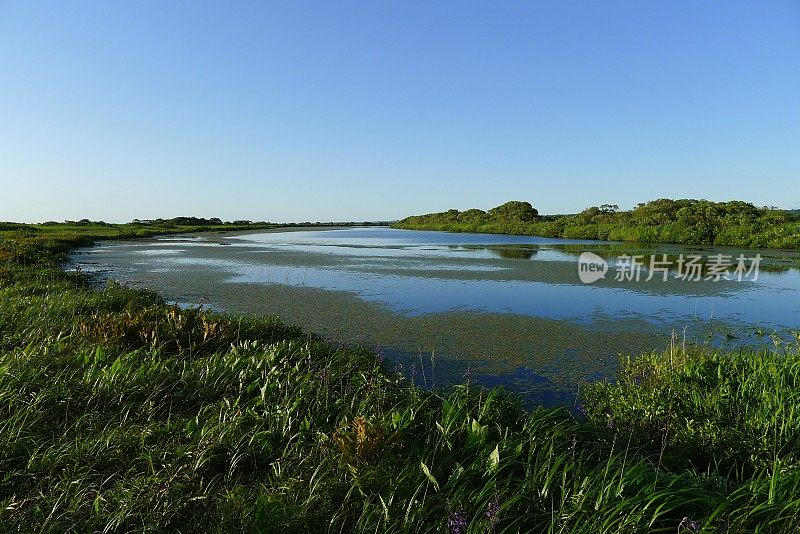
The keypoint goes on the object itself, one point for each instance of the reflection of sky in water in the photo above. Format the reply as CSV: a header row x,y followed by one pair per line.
x,y
414,295
382,237
161,252
418,272
390,243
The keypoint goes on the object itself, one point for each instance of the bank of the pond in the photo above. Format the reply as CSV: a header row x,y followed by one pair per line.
x,y
543,359
512,311
121,413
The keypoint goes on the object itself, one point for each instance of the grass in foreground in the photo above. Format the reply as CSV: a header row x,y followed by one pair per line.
x,y
120,413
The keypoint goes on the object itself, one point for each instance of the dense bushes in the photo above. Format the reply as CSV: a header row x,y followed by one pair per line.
x,y
690,222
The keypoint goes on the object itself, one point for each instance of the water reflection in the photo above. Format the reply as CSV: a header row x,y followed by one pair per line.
x,y
511,252
432,272
513,303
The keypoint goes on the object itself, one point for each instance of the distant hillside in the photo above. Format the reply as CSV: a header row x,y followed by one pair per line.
x,y
684,221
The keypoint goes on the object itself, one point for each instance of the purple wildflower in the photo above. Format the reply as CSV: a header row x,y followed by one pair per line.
x,y
457,522
468,374
689,525
413,373
493,512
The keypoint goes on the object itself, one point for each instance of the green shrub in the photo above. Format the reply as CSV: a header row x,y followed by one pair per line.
x,y
689,222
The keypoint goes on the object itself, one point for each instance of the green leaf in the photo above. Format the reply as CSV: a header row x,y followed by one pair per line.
x,y
429,475
477,433
385,508
494,458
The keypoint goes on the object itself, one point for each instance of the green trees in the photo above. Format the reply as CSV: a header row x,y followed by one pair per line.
x,y
684,221
514,210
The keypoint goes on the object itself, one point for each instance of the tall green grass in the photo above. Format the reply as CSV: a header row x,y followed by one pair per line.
x,y
121,413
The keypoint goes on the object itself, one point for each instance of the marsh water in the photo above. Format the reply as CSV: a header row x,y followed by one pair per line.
x,y
447,307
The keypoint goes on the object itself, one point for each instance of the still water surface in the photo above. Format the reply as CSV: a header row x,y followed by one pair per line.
x,y
511,309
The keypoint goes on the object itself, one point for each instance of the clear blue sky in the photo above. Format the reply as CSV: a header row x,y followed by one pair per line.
x,y
376,110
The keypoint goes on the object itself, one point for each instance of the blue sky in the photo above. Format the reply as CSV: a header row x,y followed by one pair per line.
x,y
294,111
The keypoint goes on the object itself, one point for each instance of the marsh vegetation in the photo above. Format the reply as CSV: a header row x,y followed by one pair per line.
x,y
119,412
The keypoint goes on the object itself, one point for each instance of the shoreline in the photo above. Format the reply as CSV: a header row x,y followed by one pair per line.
x,y
537,355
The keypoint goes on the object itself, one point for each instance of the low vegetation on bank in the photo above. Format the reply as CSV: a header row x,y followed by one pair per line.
x,y
121,413
688,222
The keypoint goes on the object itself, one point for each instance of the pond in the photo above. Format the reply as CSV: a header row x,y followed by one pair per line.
x,y
498,310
